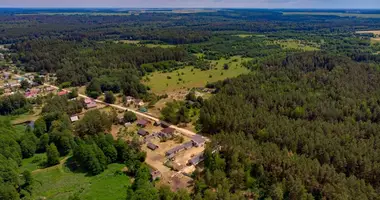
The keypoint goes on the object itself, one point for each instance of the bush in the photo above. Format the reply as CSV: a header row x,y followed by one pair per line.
x,y
109,97
130,116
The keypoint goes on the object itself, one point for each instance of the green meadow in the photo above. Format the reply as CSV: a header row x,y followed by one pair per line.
x,y
189,77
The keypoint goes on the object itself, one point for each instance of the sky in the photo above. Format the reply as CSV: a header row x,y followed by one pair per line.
x,y
192,3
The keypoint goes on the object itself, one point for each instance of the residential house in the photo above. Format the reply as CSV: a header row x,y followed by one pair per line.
x,y
143,132
91,105
63,92
139,102
152,146
142,123
129,99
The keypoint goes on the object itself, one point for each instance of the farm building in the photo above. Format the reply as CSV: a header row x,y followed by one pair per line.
x,y
152,146
142,123
185,146
198,140
143,132
196,159
87,101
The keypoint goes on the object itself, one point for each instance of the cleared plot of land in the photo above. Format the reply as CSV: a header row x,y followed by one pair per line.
x,y
138,42
296,44
248,35
375,40
58,182
190,77
375,32
334,14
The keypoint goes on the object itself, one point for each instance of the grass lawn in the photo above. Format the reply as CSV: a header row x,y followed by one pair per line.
x,y
375,40
137,42
296,44
58,182
248,35
191,77
27,116
33,163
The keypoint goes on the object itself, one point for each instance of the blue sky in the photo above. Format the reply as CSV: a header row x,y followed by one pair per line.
x,y
194,3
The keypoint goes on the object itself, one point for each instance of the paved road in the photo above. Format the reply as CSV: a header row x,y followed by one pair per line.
x,y
181,130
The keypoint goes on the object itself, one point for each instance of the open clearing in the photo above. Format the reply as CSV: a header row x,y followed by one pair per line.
x,y
248,35
375,40
334,14
375,32
59,182
138,42
296,44
190,77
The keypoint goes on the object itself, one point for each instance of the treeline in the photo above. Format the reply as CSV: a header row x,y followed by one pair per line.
x,y
316,107
14,104
108,66
14,146
171,28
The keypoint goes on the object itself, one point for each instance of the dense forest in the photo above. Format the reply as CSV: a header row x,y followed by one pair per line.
x,y
310,115
303,124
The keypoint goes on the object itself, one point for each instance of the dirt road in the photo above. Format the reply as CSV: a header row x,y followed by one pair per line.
x,y
181,130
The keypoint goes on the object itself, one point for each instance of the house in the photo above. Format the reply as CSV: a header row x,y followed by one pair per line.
x,y
61,93
143,132
196,159
139,102
50,89
164,124
91,105
152,146
129,99
120,119
155,174
185,146
168,130
15,85
87,101
74,118
142,123
198,140
128,124
157,123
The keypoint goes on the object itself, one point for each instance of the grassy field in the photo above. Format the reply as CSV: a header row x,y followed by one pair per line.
x,y
375,32
137,42
190,77
375,40
295,44
334,14
248,35
58,182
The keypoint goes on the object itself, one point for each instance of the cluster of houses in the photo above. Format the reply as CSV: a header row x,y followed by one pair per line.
x,y
132,100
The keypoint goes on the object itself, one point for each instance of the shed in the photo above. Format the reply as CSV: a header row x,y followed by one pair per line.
x,y
74,118
155,174
143,132
152,146
91,105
